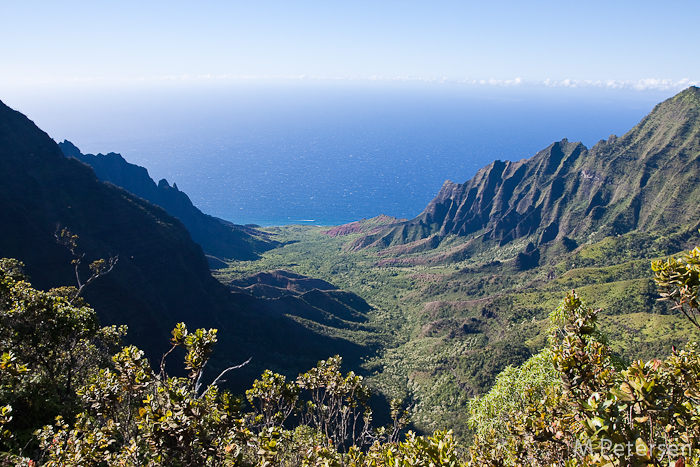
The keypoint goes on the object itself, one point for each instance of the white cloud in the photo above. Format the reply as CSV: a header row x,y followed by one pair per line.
x,y
647,84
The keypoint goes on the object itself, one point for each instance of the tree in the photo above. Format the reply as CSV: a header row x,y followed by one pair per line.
x,y
98,268
50,344
679,280
136,417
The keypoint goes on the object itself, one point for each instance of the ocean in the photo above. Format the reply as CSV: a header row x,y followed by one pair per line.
x,y
329,153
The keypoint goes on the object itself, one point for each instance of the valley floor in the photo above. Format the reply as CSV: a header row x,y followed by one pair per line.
x,y
440,332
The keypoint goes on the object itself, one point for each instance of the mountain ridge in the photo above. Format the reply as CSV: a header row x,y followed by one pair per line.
x,y
41,190
218,238
568,190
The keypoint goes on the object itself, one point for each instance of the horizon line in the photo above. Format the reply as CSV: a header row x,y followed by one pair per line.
x,y
645,84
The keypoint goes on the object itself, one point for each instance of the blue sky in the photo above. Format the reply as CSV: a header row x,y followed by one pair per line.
x,y
635,44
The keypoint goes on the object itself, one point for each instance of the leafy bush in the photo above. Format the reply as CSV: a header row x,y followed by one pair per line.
x,y
571,404
595,414
51,344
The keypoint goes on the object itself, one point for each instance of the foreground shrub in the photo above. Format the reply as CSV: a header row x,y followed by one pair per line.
x,y
597,415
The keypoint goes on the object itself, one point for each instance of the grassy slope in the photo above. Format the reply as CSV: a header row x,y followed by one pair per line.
x,y
448,329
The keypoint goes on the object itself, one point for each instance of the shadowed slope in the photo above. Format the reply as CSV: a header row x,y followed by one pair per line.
x,y
162,276
217,237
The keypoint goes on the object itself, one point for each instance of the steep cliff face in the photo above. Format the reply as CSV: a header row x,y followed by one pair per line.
x,y
507,199
649,176
646,179
162,276
216,236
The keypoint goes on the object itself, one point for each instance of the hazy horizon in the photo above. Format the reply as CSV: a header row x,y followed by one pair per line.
x,y
544,41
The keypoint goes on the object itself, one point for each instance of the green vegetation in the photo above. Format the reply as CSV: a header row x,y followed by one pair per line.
x,y
51,342
593,412
70,398
449,329
448,313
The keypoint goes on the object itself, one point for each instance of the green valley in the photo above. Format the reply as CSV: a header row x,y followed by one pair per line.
x,y
447,330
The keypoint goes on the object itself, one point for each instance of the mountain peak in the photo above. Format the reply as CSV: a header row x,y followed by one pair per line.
x,y
217,238
673,124
683,106
567,190
69,149
693,92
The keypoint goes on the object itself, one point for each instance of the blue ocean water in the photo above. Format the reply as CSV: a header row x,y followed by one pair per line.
x,y
328,154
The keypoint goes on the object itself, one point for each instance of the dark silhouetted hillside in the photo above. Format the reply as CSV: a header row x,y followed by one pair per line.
x,y
162,276
217,237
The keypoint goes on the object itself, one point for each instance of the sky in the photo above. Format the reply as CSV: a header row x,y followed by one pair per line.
x,y
49,45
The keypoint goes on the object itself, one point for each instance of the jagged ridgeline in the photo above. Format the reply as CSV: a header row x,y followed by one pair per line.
x,y
219,238
644,180
162,276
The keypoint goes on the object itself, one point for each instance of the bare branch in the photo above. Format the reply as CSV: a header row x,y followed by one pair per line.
x,y
218,378
99,268
162,362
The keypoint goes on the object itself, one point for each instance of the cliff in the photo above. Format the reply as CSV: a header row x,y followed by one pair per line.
x,y
217,237
162,276
644,180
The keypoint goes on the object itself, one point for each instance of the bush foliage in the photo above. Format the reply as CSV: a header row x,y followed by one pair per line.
x,y
69,396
